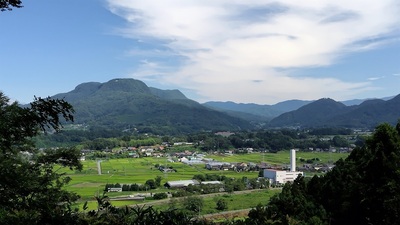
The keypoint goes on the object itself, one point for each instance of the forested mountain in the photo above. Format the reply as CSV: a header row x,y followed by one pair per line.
x,y
122,103
327,112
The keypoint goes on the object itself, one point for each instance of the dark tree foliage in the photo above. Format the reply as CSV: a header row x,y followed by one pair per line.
x,y
193,204
292,204
108,214
362,189
161,195
365,187
222,204
31,191
9,4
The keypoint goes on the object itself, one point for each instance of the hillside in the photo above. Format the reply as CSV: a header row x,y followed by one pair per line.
x,y
121,103
327,112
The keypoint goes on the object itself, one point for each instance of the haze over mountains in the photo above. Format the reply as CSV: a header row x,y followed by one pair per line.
x,y
128,103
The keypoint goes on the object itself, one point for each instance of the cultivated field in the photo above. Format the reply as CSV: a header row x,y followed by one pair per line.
x,y
88,183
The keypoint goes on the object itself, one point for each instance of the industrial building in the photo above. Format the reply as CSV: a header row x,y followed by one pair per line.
x,y
283,176
181,183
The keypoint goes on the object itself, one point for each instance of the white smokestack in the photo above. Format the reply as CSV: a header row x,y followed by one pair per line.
x,y
99,167
292,160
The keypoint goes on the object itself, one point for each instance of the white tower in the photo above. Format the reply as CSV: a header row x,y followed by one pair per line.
x,y
292,160
99,167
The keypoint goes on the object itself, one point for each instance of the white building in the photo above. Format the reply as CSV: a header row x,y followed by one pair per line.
x,y
181,183
282,176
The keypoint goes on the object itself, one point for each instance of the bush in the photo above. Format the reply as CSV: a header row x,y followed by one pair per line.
x,y
162,195
222,204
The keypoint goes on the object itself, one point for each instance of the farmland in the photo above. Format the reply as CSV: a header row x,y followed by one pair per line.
x,y
88,183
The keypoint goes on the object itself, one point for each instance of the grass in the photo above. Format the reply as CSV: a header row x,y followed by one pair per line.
x,y
235,201
279,158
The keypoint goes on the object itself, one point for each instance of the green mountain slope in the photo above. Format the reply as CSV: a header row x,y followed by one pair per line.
x,y
327,112
120,103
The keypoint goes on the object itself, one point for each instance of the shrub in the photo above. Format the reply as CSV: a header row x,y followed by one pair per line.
x,y
222,204
162,195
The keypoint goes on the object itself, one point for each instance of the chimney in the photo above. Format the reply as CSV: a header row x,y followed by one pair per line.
x,y
99,167
292,160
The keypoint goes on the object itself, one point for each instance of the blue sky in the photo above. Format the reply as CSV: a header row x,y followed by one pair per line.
x,y
227,50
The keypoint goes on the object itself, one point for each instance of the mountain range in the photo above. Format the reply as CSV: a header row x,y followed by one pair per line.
x,y
127,103
327,112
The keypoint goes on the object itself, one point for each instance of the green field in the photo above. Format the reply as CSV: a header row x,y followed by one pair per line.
x,y
235,201
88,183
279,158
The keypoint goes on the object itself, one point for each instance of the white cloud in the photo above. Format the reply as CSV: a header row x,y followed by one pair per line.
x,y
234,50
375,78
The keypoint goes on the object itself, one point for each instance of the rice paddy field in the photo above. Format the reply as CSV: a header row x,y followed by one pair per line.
x,y
88,183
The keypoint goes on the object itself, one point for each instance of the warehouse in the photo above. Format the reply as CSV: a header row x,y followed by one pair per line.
x,y
180,183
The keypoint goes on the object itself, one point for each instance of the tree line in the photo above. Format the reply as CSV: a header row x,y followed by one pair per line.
x,y
272,140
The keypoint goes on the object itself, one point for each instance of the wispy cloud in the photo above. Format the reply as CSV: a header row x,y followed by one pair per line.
x,y
235,50
375,78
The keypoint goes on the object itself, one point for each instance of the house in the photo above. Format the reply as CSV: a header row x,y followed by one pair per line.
x,y
133,155
218,166
214,165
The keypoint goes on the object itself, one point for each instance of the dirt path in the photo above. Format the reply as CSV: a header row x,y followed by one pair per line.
x,y
226,215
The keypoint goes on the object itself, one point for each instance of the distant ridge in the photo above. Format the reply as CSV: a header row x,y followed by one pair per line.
x,y
265,113
327,112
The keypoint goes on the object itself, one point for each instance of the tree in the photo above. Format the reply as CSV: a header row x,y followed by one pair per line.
x,y
339,141
8,4
160,195
31,191
361,189
365,185
222,204
193,203
157,181
151,184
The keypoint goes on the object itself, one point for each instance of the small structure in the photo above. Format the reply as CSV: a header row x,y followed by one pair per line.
x,y
213,182
114,189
